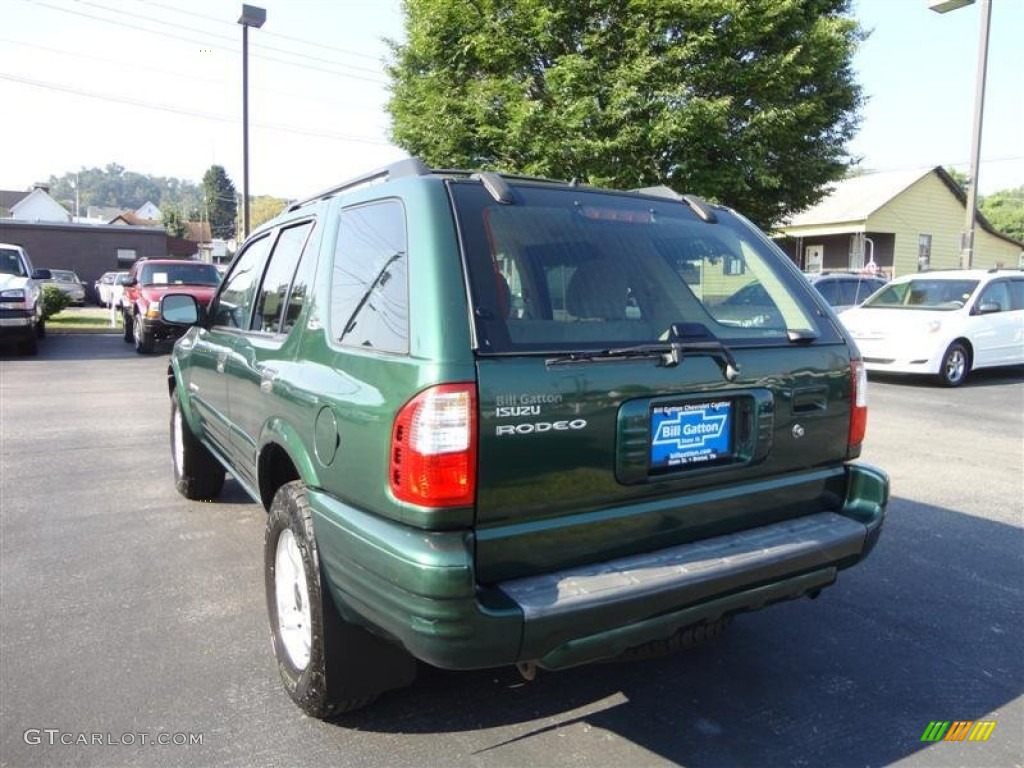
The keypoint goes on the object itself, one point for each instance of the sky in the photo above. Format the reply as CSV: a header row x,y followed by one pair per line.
x,y
155,86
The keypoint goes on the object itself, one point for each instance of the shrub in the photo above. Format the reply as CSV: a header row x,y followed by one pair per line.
x,y
54,300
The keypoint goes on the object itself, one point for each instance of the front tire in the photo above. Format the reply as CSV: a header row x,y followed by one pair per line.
x,y
328,666
197,475
144,341
955,365
128,327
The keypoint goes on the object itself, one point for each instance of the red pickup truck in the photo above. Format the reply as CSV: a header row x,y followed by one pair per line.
x,y
148,281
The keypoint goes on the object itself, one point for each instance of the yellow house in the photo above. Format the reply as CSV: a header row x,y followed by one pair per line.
x,y
899,222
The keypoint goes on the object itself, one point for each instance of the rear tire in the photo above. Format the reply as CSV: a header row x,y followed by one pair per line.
x,y
328,666
197,475
955,365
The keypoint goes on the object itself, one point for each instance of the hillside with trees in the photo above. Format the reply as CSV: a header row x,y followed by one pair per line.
x,y
215,199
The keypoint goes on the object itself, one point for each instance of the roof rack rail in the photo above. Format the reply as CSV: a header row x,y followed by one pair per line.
x,y
410,166
698,205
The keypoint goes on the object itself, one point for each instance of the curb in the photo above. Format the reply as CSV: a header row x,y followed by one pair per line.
x,y
73,331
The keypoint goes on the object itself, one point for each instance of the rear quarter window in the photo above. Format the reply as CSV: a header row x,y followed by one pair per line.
x,y
369,279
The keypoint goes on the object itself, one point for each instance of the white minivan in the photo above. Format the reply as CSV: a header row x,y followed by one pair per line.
x,y
944,324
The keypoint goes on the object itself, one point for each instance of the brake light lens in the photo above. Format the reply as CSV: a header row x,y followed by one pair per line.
x,y
858,407
433,447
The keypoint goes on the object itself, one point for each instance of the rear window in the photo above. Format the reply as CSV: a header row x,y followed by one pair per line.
x,y
565,268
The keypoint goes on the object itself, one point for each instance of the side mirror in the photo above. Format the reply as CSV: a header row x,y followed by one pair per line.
x,y
180,309
42,274
131,281
988,307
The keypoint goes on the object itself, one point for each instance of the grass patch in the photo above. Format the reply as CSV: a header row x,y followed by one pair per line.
x,y
84,318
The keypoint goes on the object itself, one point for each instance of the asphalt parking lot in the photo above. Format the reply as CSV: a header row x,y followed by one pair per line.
x,y
129,615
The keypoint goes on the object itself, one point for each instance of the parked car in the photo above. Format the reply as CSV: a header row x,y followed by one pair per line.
x,y
101,288
21,308
843,290
945,324
110,288
69,282
147,282
496,420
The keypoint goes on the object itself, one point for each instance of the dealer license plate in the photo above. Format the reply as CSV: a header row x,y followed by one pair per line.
x,y
691,434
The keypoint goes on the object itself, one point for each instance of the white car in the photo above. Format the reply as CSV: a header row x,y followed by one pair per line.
x,y
944,324
110,288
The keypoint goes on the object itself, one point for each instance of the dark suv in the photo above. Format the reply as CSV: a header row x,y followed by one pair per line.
x,y
843,290
147,282
499,420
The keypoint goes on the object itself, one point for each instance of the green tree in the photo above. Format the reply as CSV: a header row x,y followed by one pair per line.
x,y
172,219
748,102
1005,211
221,201
115,187
264,208
959,177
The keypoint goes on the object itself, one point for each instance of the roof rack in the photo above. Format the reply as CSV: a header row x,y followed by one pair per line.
x,y
410,166
698,205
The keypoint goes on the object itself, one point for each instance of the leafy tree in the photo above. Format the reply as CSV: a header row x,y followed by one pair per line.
x,y
172,219
221,201
959,177
1005,211
749,102
264,208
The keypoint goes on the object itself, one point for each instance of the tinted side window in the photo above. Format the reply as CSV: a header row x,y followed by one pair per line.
x,y
369,284
1017,294
829,291
278,278
234,304
301,289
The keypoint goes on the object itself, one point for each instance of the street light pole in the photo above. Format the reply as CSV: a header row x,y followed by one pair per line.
x,y
251,17
967,244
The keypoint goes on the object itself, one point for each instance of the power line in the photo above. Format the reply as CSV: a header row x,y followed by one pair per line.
x,y
171,35
188,112
147,68
265,33
230,39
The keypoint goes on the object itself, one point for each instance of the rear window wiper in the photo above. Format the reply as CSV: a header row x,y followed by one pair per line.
x,y
683,339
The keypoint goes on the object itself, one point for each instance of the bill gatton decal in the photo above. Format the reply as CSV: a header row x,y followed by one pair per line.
x,y
530,404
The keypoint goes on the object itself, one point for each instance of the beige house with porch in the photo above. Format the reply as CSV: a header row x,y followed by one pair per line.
x,y
899,221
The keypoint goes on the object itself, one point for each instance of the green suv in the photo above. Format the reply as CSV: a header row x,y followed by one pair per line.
x,y
501,420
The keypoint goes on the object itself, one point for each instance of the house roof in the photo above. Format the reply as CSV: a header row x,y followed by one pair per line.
x,y
132,218
856,198
11,197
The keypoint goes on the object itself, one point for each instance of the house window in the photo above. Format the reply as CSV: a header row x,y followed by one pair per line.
x,y
126,257
924,252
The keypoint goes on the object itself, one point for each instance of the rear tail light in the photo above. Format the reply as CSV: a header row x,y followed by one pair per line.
x,y
858,408
433,447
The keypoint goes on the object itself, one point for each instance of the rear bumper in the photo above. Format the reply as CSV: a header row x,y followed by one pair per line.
x,y
419,587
